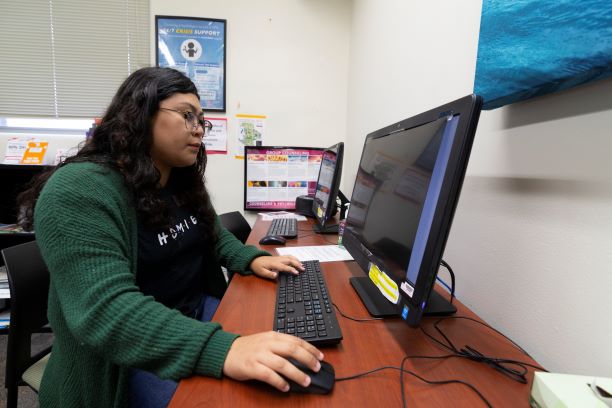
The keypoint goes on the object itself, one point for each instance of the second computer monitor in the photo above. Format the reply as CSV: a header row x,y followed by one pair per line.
x,y
274,176
328,186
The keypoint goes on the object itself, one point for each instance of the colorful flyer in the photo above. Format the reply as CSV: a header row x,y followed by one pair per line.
x,y
249,132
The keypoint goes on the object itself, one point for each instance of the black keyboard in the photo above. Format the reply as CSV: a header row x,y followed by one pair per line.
x,y
304,308
285,227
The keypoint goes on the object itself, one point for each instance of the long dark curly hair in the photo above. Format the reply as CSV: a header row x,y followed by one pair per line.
x,y
123,141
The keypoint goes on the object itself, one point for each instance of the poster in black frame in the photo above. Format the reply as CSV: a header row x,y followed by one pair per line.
x,y
197,47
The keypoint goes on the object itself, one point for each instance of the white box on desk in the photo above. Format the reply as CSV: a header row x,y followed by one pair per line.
x,y
566,390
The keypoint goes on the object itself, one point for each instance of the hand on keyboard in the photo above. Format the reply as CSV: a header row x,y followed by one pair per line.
x,y
269,266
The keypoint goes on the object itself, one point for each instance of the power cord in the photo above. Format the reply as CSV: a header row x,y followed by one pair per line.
x,y
329,241
516,370
452,276
311,231
355,319
441,382
403,370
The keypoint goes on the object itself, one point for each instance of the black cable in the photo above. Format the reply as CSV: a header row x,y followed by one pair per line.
x,y
516,370
352,377
489,327
444,357
452,276
403,370
314,233
451,347
442,382
331,242
356,319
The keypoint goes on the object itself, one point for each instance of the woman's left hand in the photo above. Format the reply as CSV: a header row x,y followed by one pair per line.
x,y
269,266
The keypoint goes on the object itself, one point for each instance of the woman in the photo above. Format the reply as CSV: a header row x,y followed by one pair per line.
x,y
134,250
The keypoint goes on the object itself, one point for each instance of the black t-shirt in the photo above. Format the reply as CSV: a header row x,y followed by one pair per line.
x,y
173,262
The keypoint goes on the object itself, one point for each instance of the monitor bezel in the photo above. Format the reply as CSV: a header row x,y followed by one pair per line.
x,y
244,181
321,221
468,108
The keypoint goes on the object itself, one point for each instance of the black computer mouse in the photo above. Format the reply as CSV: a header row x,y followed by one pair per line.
x,y
320,383
272,240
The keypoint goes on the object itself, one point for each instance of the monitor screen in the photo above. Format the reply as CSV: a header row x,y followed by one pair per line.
x,y
14,178
327,187
405,194
274,176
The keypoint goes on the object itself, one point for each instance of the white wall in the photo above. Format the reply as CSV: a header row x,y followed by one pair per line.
x,y
401,53
286,59
530,243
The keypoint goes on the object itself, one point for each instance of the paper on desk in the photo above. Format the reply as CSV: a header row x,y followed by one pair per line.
x,y
324,253
269,216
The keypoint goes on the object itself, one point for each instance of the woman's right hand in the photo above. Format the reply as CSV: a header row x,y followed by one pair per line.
x,y
263,357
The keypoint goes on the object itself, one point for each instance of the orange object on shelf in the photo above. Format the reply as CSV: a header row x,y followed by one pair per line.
x,y
35,152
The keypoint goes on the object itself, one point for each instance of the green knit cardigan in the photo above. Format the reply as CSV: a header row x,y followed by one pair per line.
x,y
86,228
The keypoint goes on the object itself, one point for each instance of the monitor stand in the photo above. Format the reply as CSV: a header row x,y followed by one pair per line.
x,y
327,229
333,228
379,306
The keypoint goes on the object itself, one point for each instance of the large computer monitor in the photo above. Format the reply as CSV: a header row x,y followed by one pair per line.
x,y
327,190
274,176
405,194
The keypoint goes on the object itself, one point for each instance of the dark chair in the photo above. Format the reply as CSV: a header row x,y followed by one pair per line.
x,y
29,283
236,224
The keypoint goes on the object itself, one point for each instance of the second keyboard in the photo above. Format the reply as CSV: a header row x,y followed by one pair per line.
x,y
285,227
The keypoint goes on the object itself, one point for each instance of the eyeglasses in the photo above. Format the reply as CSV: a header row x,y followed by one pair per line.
x,y
192,121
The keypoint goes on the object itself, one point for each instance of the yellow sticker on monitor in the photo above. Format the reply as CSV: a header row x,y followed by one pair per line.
x,y
384,283
319,212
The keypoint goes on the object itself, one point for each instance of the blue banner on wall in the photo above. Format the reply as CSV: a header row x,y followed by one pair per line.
x,y
528,48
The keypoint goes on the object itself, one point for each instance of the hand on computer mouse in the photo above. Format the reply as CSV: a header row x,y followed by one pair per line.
x,y
321,382
263,357
269,266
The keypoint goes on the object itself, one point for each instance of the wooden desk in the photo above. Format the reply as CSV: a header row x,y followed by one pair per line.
x,y
248,307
